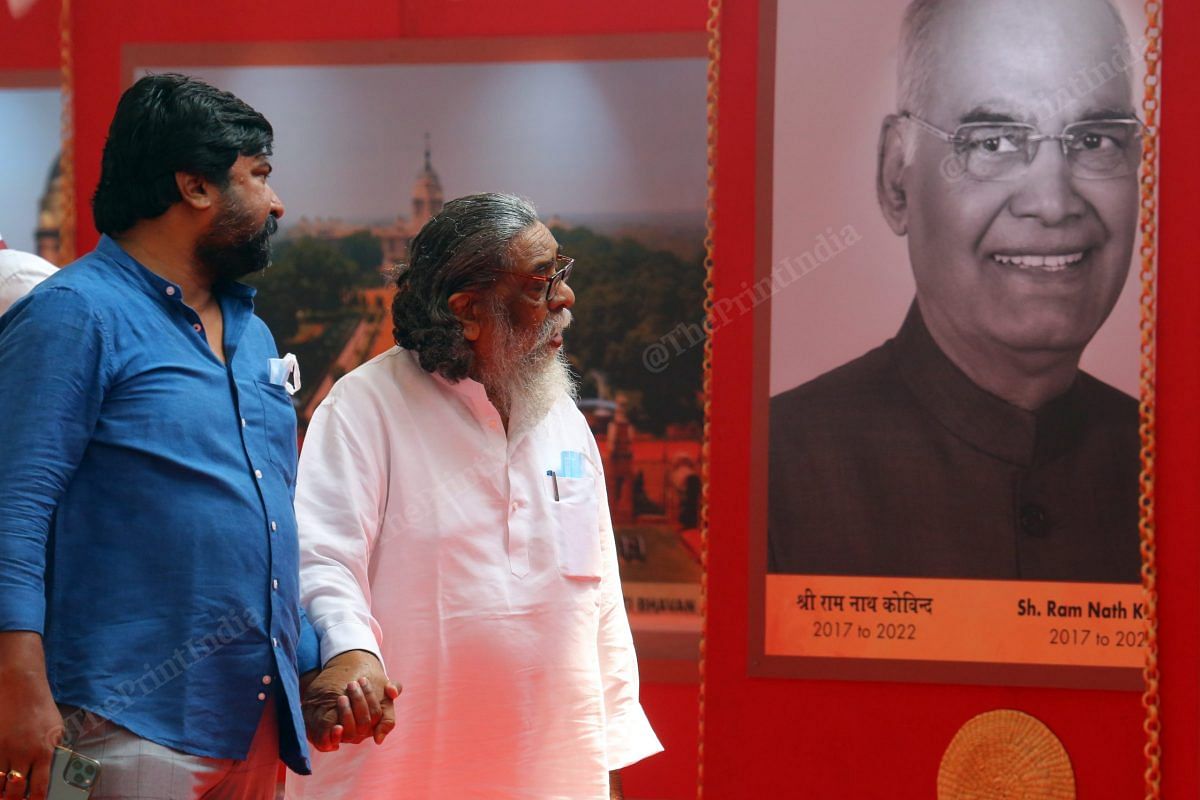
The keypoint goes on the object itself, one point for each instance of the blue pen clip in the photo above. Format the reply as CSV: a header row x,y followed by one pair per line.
x,y
553,480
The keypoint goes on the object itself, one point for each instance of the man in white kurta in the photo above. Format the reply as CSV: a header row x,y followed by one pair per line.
x,y
474,557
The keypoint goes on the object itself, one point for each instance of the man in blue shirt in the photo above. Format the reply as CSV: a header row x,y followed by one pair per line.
x,y
149,612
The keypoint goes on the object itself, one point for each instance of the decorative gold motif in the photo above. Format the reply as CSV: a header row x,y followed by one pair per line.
x,y
68,219
714,72
1005,755
1146,524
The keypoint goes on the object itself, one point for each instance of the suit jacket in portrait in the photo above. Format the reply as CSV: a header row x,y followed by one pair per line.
x,y
898,464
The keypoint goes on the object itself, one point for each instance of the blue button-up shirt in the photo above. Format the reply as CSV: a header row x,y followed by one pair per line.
x,y
146,525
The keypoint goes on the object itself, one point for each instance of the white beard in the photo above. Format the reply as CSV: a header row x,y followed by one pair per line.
x,y
526,377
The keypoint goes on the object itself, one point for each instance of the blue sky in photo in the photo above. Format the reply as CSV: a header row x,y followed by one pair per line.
x,y
29,143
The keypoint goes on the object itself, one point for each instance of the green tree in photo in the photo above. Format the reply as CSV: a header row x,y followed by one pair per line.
x,y
308,278
629,297
366,251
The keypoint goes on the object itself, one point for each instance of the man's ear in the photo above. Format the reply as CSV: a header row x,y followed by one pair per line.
x,y
466,306
889,175
195,190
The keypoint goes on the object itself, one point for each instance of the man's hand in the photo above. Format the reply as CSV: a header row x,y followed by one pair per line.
x,y
30,725
347,701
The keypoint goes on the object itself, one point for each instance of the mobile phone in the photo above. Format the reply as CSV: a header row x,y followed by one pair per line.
x,y
72,775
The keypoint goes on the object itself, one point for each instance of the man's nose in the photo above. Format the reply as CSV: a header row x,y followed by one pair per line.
x,y
276,205
1047,189
563,297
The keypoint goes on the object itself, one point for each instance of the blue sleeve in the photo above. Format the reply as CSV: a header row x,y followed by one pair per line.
x,y
308,649
53,357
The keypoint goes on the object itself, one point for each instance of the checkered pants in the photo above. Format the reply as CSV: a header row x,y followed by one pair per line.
x,y
132,768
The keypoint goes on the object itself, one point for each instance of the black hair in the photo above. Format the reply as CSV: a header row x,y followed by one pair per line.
x,y
166,124
457,250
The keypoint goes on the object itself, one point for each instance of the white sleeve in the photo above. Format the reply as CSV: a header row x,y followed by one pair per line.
x,y
629,735
339,504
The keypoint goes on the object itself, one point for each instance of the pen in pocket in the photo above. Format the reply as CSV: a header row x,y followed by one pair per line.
x,y
554,480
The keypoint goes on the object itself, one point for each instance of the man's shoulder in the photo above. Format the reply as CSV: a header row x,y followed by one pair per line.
x,y
862,385
88,281
388,374
70,290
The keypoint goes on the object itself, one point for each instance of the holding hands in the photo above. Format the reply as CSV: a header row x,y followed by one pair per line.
x,y
347,701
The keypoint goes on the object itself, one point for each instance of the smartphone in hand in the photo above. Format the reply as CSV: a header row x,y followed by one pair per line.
x,y
72,775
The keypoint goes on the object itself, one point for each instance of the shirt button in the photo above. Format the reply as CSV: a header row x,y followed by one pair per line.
x,y
1034,520
262,695
198,327
274,583
258,474
243,422
170,291
266,679
274,527
274,642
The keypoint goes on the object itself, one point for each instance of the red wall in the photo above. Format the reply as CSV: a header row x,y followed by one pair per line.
x,y
1179,394
31,42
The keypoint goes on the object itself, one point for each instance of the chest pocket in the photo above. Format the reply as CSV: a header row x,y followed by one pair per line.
x,y
279,416
577,527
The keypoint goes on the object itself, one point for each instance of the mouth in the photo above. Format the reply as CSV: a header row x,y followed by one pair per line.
x,y
556,325
1044,263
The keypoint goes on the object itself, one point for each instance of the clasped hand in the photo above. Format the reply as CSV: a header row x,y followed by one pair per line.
x,y
347,701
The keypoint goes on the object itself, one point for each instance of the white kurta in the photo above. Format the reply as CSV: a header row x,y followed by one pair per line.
x,y
430,539
20,272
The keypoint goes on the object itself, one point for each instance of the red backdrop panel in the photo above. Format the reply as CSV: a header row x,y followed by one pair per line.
x,y
1178,397
766,738
31,42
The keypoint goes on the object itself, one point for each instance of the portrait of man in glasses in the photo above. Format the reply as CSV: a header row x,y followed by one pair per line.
x,y
972,445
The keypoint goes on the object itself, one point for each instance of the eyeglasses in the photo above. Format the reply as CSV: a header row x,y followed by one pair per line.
x,y
1001,151
565,265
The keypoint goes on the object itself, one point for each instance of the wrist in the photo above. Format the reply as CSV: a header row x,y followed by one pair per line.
x,y
353,658
21,657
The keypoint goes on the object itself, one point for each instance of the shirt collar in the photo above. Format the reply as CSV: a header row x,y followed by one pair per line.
x,y
157,285
977,416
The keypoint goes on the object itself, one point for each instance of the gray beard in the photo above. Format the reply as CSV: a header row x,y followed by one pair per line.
x,y
525,378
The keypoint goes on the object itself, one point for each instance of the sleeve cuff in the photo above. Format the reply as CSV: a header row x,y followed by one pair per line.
x,y
23,614
308,649
630,739
346,636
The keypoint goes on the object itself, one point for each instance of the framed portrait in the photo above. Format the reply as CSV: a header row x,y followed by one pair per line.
x,y
946,470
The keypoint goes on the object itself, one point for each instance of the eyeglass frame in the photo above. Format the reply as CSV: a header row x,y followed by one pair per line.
x,y
1036,138
559,276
